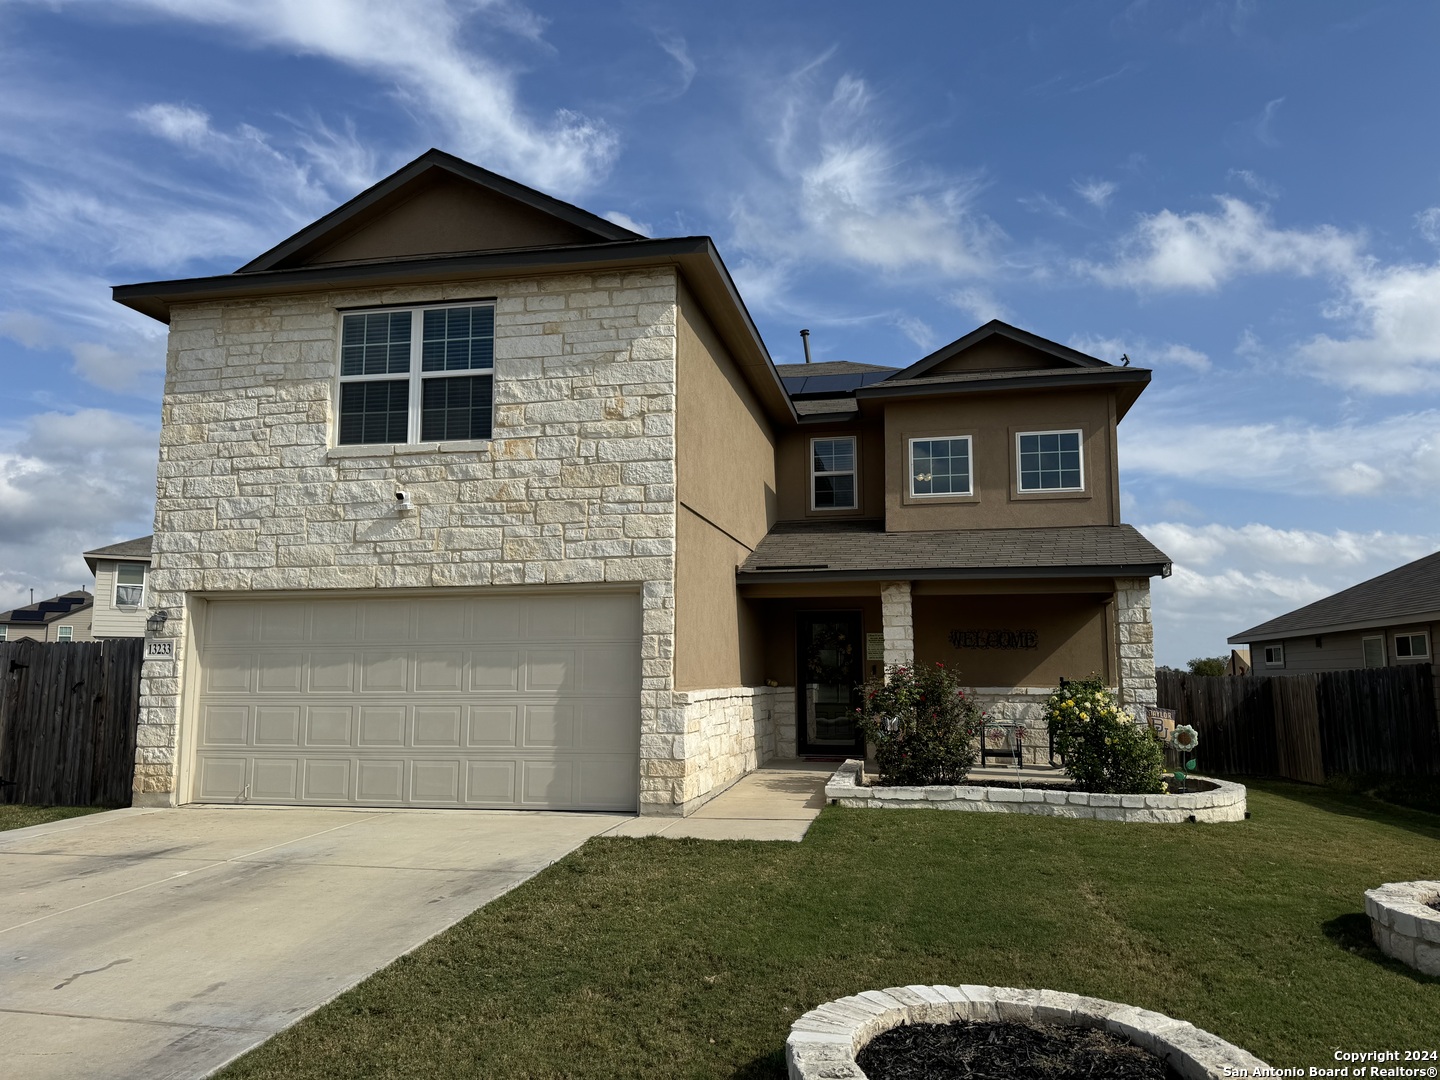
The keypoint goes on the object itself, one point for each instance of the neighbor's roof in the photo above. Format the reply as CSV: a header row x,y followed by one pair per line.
x,y
829,367
1410,593
48,611
137,550
863,550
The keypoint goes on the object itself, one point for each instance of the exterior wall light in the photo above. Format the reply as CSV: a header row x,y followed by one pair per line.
x,y
156,622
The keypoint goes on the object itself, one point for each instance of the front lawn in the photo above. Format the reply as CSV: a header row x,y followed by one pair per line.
x,y
18,817
684,958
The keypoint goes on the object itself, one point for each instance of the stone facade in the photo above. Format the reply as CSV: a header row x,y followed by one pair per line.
x,y
728,732
577,485
1137,642
898,623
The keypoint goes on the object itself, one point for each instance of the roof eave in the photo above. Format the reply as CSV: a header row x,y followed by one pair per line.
x,y
1402,618
1128,377
963,573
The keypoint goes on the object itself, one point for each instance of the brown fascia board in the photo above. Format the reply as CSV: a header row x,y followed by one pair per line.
x,y
356,210
1246,637
1125,378
694,256
969,573
1003,329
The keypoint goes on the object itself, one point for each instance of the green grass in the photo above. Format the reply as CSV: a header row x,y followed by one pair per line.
x,y
18,817
665,958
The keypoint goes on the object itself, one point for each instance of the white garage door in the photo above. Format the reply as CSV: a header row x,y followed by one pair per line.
x,y
508,702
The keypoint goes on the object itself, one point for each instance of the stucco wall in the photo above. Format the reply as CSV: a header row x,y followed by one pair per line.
x,y
993,421
793,456
578,484
725,485
111,621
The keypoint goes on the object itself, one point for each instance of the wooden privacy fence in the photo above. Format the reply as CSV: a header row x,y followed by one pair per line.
x,y
1309,727
68,715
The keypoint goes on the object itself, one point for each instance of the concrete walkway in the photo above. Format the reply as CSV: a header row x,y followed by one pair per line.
x,y
162,943
776,802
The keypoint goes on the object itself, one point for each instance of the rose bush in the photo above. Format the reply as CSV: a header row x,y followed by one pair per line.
x,y
923,724
1104,749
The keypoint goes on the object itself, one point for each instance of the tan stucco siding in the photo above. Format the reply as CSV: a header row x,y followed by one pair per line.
x,y
112,621
778,617
1071,638
993,422
793,463
997,354
725,488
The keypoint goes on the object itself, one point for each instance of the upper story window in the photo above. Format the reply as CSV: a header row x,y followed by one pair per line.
x,y
1412,646
1274,655
940,466
1049,461
417,374
832,474
4,633
64,633
129,584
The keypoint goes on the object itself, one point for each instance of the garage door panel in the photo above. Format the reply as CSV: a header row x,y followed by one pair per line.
x,y
329,725
277,725
275,780
446,701
381,782
382,672
494,669
332,673
382,725
493,726
438,725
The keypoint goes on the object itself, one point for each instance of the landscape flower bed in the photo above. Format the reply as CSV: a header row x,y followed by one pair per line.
x,y
1224,801
1405,922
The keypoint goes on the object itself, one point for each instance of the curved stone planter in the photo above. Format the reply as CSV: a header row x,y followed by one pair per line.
x,y
1225,803
1403,924
823,1043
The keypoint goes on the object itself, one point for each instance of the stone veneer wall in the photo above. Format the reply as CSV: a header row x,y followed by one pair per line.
x,y
577,485
728,732
897,623
1137,642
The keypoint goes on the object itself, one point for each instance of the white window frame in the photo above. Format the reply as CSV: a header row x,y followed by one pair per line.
x,y
4,633
1020,487
1413,658
1368,638
416,377
969,442
119,586
853,472
1279,648
62,635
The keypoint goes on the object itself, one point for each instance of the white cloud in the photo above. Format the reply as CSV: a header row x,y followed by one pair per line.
x,y
917,330
1255,183
1399,455
1141,352
1095,192
1265,122
979,304
1428,222
676,48
1202,251
69,482
836,188
1227,579
420,48
625,221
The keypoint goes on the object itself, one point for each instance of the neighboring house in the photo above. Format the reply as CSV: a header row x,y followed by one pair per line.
x,y
121,572
468,497
61,618
1239,662
1390,619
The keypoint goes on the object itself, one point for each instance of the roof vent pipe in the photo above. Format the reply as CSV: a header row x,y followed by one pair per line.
x,y
805,337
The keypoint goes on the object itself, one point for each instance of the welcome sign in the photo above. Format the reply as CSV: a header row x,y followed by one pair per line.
x,y
994,639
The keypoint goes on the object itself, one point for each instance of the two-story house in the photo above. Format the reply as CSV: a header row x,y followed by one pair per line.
x,y
66,617
468,497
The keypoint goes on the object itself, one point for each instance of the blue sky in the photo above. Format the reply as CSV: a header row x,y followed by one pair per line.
x,y
1244,197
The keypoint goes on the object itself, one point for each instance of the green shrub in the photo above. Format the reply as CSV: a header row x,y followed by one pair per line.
x,y
923,724
1104,749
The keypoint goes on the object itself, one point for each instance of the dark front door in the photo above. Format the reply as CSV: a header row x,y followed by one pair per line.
x,y
829,668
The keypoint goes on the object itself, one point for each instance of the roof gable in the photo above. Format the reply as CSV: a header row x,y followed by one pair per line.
x,y
998,346
438,205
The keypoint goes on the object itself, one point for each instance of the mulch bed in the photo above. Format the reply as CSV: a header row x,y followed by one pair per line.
x,y
982,1050
1192,787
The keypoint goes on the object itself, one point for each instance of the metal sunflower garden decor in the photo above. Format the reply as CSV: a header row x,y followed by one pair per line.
x,y
1184,739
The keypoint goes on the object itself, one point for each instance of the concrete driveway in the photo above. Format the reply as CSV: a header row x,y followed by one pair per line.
x,y
162,943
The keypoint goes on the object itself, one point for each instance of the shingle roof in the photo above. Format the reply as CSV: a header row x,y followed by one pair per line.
x,y
138,548
834,407
1409,590
48,611
862,549
829,367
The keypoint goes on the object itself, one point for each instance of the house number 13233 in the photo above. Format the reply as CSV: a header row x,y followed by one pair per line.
x,y
162,649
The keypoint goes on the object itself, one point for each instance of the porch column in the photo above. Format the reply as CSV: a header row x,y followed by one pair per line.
x,y
897,620
1137,642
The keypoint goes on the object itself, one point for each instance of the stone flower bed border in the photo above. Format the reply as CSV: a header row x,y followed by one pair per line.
x,y
1404,926
1226,803
823,1043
